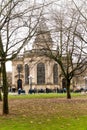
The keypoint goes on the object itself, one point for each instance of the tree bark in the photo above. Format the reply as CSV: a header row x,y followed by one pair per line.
x,y
68,90
5,90
0,84
0,96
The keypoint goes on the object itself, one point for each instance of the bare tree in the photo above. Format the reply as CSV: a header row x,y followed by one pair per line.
x,y
82,9
68,50
18,24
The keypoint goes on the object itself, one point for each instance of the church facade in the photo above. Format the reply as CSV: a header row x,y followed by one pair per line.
x,y
33,70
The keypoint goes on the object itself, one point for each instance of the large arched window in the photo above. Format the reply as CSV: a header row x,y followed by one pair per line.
x,y
26,74
40,73
55,74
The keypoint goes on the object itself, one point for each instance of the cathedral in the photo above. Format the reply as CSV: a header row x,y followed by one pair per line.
x,y
33,70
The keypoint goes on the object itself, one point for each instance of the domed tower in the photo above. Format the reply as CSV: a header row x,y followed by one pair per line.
x,y
43,37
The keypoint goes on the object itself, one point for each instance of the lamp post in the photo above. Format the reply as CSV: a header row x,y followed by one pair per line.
x,y
30,82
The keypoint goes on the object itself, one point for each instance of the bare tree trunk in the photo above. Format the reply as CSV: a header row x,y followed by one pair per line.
x,y
5,90
0,83
0,96
68,90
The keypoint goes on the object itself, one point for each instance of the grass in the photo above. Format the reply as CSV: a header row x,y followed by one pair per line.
x,y
45,112
49,95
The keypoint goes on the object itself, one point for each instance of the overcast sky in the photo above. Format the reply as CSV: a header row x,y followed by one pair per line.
x,y
9,66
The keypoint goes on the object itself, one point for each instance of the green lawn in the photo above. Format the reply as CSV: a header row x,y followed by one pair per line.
x,y
53,123
45,112
49,95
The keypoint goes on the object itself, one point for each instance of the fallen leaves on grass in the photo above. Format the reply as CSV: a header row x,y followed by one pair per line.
x,y
48,107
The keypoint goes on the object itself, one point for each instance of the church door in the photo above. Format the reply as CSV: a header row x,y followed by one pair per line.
x,y
19,84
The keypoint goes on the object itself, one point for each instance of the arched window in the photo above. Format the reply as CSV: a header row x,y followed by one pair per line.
x,y
40,73
55,74
26,74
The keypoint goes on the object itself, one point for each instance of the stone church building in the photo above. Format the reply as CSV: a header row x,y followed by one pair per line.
x,y
34,70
